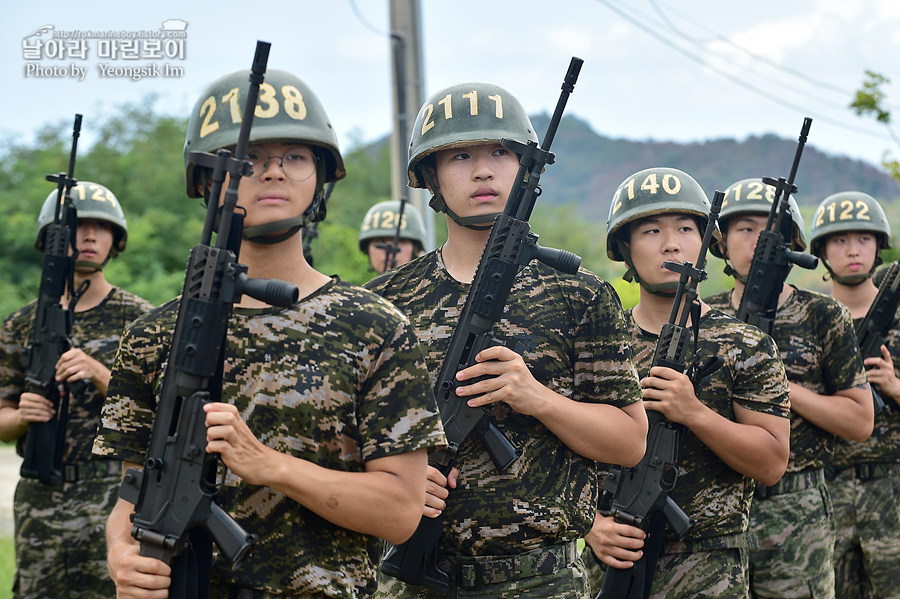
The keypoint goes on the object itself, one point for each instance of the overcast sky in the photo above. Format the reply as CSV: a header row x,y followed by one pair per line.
x,y
654,69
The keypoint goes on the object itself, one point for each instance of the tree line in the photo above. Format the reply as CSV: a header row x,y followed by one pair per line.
x,y
138,155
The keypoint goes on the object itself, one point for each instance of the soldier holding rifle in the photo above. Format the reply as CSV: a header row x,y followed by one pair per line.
x,y
849,229
732,420
59,527
560,388
325,414
830,397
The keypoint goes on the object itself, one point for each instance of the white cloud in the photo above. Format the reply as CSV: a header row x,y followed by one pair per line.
x,y
576,40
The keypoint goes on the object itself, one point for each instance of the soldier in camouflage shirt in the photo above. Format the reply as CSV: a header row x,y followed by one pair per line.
x,y
562,388
830,398
59,530
848,230
735,420
325,416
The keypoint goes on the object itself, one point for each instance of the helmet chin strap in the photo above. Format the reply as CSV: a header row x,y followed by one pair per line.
x,y
850,280
731,272
89,265
288,227
479,222
266,234
666,289
729,269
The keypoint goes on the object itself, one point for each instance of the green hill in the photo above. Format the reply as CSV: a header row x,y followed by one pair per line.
x,y
138,155
590,166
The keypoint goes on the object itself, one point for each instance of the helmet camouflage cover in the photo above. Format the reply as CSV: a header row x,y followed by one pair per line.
x,y
754,196
91,200
381,221
848,211
462,115
286,110
657,190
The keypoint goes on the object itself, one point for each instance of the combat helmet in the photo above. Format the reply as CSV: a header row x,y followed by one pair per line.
x,y
844,212
657,190
381,221
93,201
465,114
287,110
754,196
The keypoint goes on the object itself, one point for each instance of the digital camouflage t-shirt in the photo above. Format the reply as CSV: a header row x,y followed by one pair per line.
x,y
817,343
716,497
884,444
337,379
570,331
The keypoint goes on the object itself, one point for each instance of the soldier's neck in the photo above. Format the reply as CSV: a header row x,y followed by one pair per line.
x,y
462,251
738,292
282,261
857,298
92,295
653,311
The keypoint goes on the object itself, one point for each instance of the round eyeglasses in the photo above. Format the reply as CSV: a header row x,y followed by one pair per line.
x,y
297,164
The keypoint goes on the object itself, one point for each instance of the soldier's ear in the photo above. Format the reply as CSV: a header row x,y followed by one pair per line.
x,y
722,245
431,178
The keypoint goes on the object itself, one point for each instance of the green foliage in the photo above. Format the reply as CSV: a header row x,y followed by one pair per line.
x,y
869,100
336,252
7,567
589,166
138,154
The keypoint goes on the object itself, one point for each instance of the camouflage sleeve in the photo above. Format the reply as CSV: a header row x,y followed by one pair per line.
x,y
12,376
134,306
604,367
842,365
761,384
398,410
129,411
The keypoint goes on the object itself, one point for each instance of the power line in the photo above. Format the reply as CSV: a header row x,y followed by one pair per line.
x,y
758,57
362,19
642,24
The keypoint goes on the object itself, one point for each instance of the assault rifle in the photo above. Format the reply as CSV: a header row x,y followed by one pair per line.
x,y
872,331
174,495
392,248
44,442
509,246
639,496
311,231
773,256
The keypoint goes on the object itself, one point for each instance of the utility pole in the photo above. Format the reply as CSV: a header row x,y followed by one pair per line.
x,y
407,76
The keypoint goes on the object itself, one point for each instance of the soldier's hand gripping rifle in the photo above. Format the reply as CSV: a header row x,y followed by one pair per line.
x,y
639,496
509,246
175,492
773,257
392,248
872,331
44,442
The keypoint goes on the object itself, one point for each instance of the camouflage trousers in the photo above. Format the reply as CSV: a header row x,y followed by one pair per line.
x,y
867,517
795,529
226,592
60,535
567,580
723,573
